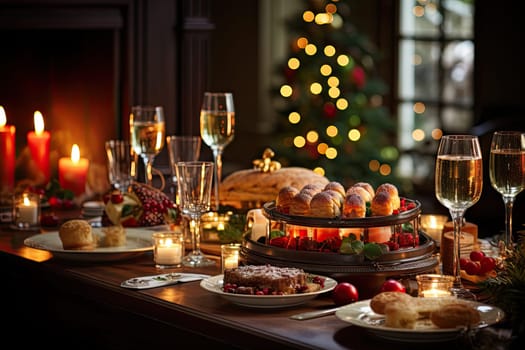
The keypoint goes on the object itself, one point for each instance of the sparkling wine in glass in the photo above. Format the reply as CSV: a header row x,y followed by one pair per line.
x,y
507,175
147,131
458,185
217,125
195,181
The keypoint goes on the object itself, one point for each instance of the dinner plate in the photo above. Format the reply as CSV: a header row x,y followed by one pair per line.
x,y
138,241
360,314
214,285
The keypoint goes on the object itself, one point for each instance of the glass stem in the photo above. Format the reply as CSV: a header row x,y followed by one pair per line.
x,y
217,156
509,202
195,225
457,218
148,164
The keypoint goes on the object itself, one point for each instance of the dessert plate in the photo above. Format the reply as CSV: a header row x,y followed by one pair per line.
x,y
360,314
138,241
214,285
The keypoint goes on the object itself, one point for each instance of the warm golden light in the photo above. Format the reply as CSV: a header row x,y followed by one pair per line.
x,y
310,49
294,63
354,135
316,88
3,118
373,165
323,18
419,108
331,153
333,81
308,16
321,148
385,169
312,136
341,104
299,141
294,118
418,11
319,171
418,135
329,50
325,70
332,131
334,92
286,91
436,134
302,42
343,60
330,8
39,122
75,153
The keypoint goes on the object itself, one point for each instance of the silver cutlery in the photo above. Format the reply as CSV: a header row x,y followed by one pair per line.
x,y
314,314
161,280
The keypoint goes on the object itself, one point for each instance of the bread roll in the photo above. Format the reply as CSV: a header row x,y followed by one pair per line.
x,y
394,194
324,205
382,204
366,186
301,204
284,198
455,315
381,300
114,236
367,197
354,206
400,315
77,235
312,188
335,186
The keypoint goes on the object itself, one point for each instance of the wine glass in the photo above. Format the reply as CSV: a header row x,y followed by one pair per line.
x,y
217,124
182,148
195,181
458,184
507,175
147,131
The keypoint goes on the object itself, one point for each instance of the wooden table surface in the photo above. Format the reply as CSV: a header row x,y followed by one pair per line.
x,y
58,301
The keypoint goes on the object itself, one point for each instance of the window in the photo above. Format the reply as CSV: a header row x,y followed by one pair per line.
x,y
435,85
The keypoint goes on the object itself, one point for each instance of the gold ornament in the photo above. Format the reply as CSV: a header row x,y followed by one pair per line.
x,y
266,164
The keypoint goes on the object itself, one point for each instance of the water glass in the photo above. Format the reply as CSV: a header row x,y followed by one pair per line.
x,y
121,163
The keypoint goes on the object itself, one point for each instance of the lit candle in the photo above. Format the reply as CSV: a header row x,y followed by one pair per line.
x,y
434,285
27,211
38,142
230,256
72,172
169,248
7,153
435,293
231,262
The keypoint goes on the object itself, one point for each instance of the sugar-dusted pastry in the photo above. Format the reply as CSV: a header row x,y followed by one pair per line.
x,y
312,188
366,186
77,235
455,315
382,204
354,206
323,205
361,191
284,198
335,186
381,300
301,204
337,197
394,193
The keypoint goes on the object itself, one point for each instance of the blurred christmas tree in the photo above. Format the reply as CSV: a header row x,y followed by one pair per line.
x,y
333,120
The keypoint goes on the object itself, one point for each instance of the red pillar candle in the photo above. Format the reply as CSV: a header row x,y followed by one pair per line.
x,y
7,154
38,142
72,172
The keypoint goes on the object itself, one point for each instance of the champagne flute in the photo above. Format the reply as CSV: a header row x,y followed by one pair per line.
x,y
195,181
217,124
147,131
458,184
507,175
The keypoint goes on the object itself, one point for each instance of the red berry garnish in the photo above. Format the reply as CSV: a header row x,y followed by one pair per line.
x,y
472,268
476,255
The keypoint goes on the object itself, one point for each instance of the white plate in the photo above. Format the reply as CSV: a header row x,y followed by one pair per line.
x,y
214,285
138,241
360,314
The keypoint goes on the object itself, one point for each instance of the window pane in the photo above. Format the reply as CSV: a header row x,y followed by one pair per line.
x,y
458,69
459,18
419,70
420,18
457,120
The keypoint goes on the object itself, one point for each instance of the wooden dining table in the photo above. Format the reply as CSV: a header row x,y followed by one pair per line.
x,y
57,301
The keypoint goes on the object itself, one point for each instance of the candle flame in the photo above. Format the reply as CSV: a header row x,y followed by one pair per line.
x,y
75,153
39,122
26,201
3,118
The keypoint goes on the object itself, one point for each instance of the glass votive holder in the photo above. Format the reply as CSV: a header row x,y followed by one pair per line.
x,y
230,256
168,249
433,225
26,211
434,285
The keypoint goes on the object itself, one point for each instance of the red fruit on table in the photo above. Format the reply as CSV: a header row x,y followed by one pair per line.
x,y
472,268
344,293
463,262
476,255
117,197
487,264
392,285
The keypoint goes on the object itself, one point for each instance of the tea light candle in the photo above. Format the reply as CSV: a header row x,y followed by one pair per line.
x,y
230,256
434,285
433,225
168,249
72,172
38,142
7,153
26,210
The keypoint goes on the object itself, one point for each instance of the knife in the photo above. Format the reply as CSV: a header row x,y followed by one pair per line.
x,y
155,281
314,314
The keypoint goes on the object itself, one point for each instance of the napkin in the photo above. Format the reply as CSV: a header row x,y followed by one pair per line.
x,y
155,281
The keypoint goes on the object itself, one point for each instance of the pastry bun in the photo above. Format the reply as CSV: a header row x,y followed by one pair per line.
x,y
381,300
394,194
354,206
361,191
335,186
285,198
455,315
367,187
324,205
382,204
301,203
77,235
